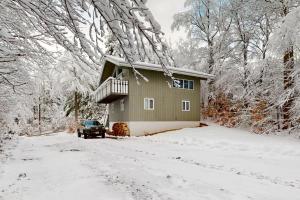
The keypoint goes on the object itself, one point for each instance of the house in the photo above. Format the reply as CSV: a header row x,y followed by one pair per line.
x,y
151,106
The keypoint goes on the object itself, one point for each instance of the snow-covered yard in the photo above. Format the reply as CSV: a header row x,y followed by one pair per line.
x,y
200,163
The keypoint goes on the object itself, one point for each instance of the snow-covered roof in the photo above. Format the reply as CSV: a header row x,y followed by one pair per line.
x,y
155,67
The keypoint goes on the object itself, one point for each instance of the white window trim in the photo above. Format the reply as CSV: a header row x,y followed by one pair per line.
x,y
183,84
149,99
183,106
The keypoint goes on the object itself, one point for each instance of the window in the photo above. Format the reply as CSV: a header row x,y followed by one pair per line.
x,y
120,70
119,73
178,83
91,123
186,105
148,104
183,84
191,85
122,106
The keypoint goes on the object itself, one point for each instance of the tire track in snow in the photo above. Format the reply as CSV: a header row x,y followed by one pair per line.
x,y
256,175
226,146
139,190
143,190
235,171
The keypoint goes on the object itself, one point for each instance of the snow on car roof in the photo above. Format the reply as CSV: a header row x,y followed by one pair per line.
x,y
155,67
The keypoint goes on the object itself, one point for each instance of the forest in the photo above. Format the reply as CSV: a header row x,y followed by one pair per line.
x,y
51,53
85,114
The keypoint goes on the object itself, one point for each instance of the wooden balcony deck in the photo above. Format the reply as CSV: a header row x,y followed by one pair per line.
x,y
110,90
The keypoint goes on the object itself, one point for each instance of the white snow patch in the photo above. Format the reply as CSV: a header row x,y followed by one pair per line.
x,y
194,163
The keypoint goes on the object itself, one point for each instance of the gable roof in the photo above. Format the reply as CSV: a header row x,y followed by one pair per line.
x,y
155,67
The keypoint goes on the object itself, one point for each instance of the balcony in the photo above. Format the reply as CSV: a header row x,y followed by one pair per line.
x,y
110,90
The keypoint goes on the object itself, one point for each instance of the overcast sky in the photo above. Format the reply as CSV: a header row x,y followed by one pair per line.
x,y
163,11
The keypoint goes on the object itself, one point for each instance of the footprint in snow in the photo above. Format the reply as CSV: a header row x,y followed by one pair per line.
x,y
72,150
22,176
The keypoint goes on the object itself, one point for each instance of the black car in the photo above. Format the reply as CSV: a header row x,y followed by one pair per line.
x,y
91,128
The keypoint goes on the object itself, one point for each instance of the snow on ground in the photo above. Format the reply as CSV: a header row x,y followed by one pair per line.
x,y
208,163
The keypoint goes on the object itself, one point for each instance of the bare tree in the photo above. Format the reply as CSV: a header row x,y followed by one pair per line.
x,y
204,20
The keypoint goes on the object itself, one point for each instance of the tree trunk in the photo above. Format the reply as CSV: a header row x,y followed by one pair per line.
x,y
211,63
39,115
210,44
76,107
278,117
211,60
288,81
246,71
245,63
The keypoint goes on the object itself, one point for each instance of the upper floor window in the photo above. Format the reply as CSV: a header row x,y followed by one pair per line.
x,y
118,73
148,103
183,84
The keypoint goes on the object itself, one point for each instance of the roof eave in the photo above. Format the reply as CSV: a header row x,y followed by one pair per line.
x,y
156,67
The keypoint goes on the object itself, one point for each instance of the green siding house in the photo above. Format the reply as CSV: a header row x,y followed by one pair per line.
x,y
156,105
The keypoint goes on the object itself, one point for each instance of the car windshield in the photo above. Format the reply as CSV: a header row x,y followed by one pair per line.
x,y
92,123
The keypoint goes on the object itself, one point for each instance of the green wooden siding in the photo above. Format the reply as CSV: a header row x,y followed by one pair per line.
x,y
168,101
115,113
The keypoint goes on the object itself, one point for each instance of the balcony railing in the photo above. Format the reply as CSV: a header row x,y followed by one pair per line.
x,y
110,90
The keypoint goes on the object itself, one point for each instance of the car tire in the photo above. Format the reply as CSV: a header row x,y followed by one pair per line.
x,y
78,133
85,134
103,134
